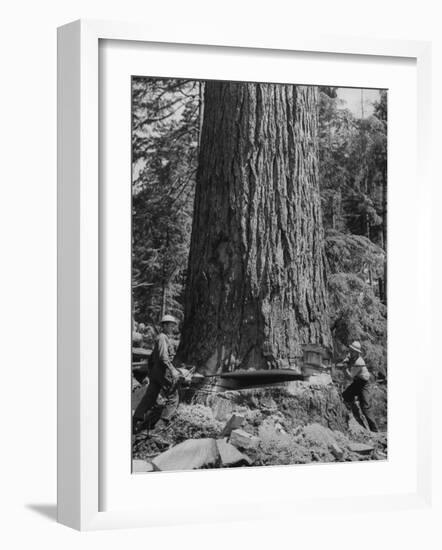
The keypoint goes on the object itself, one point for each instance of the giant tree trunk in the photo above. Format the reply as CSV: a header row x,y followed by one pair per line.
x,y
255,290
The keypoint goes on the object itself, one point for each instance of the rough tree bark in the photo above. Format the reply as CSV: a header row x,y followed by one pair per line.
x,y
384,232
255,289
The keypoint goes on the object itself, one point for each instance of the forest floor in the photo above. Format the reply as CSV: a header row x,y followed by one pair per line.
x,y
300,425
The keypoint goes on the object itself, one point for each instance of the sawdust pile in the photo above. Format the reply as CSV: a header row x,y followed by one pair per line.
x,y
284,438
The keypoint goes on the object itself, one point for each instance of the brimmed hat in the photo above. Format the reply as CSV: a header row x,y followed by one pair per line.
x,y
356,346
169,319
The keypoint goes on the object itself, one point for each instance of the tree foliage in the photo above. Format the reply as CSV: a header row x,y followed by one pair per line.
x,y
166,121
353,163
353,175
164,142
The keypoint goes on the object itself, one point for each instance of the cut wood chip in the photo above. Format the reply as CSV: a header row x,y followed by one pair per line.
x,y
235,421
230,456
336,451
244,440
188,455
141,466
361,448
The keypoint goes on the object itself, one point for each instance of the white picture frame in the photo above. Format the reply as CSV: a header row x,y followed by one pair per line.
x,y
79,294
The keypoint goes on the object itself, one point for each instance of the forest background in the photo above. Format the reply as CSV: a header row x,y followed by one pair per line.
x,y
352,145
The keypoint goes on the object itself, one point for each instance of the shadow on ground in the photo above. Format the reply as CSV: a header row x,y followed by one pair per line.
x,y
48,511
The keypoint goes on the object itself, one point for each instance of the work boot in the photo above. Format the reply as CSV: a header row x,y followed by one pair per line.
x,y
137,426
372,425
161,425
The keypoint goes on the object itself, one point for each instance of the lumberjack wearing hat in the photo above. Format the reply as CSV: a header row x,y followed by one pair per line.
x,y
356,369
163,376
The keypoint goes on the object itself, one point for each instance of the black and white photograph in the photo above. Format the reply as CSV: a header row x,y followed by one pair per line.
x,y
259,274
222,257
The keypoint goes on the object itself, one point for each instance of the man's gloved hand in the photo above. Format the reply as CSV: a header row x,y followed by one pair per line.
x,y
175,376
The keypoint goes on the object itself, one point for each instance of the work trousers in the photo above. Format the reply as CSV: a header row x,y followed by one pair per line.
x,y
150,398
360,388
